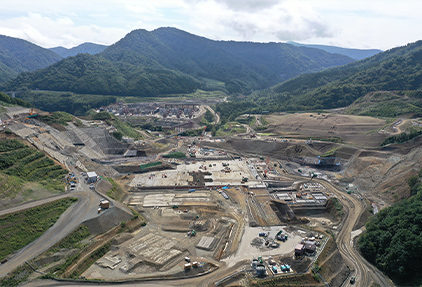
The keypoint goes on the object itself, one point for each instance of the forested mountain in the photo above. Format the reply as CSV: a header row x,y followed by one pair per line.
x,y
85,48
166,61
259,65
357,54
393,237
91,74
388,104
18,56
396,69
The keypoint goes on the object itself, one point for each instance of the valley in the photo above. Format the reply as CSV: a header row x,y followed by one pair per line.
x,y
171,159
211,204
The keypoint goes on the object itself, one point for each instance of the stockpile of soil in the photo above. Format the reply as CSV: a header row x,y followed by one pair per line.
x,y
108,219
335,271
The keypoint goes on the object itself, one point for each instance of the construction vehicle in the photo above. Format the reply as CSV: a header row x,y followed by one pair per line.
x,y
104,204
187,266
32,113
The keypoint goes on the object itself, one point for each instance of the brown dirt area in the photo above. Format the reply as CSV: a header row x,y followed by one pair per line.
x,y
356,130
384,173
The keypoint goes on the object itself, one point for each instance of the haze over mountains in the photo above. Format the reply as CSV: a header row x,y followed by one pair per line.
x,y
357,54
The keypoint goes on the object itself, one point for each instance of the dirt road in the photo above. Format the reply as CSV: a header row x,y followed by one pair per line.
x,y
85,208
364,271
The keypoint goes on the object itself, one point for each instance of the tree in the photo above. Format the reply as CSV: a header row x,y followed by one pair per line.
x,y
102,116
118,135
209,116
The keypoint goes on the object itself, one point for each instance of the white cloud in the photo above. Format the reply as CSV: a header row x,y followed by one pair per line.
x,y
271,21
50,32
376,23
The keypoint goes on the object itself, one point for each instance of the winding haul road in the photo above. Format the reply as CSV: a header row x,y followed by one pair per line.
x,y
84,209
364,271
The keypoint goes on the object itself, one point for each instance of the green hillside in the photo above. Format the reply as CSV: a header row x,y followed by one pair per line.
x,y
27,174
168,61
388,104
397,70
91,74
257,64
28,164
19,55
357,54
393,237
85,48
5,99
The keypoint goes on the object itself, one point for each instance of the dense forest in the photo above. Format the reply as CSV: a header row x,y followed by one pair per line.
x,y
90,74
398,70
18,55
260,65
14,101
171,61
393,237
75,104
85,48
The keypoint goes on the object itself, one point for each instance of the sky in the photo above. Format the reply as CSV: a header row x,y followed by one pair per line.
x,y
359,24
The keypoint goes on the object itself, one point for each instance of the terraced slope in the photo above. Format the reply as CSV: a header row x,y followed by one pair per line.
x,y
26,173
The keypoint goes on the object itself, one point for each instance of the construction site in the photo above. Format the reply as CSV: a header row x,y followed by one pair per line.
x,y
259,205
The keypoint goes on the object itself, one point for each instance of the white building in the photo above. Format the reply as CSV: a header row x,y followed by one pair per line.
x,y
91,176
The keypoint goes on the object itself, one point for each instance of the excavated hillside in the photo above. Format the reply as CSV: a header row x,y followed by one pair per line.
x,y
385,172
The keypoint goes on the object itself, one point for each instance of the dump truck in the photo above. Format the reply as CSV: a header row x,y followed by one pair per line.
x,y
104,204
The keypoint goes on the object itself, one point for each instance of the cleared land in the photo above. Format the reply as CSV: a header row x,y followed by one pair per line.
x,y
355,130
214,174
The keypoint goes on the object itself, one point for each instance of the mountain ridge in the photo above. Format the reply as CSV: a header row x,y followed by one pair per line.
x,y
220,60
153,61
357,54
17,55
396,69
85,48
